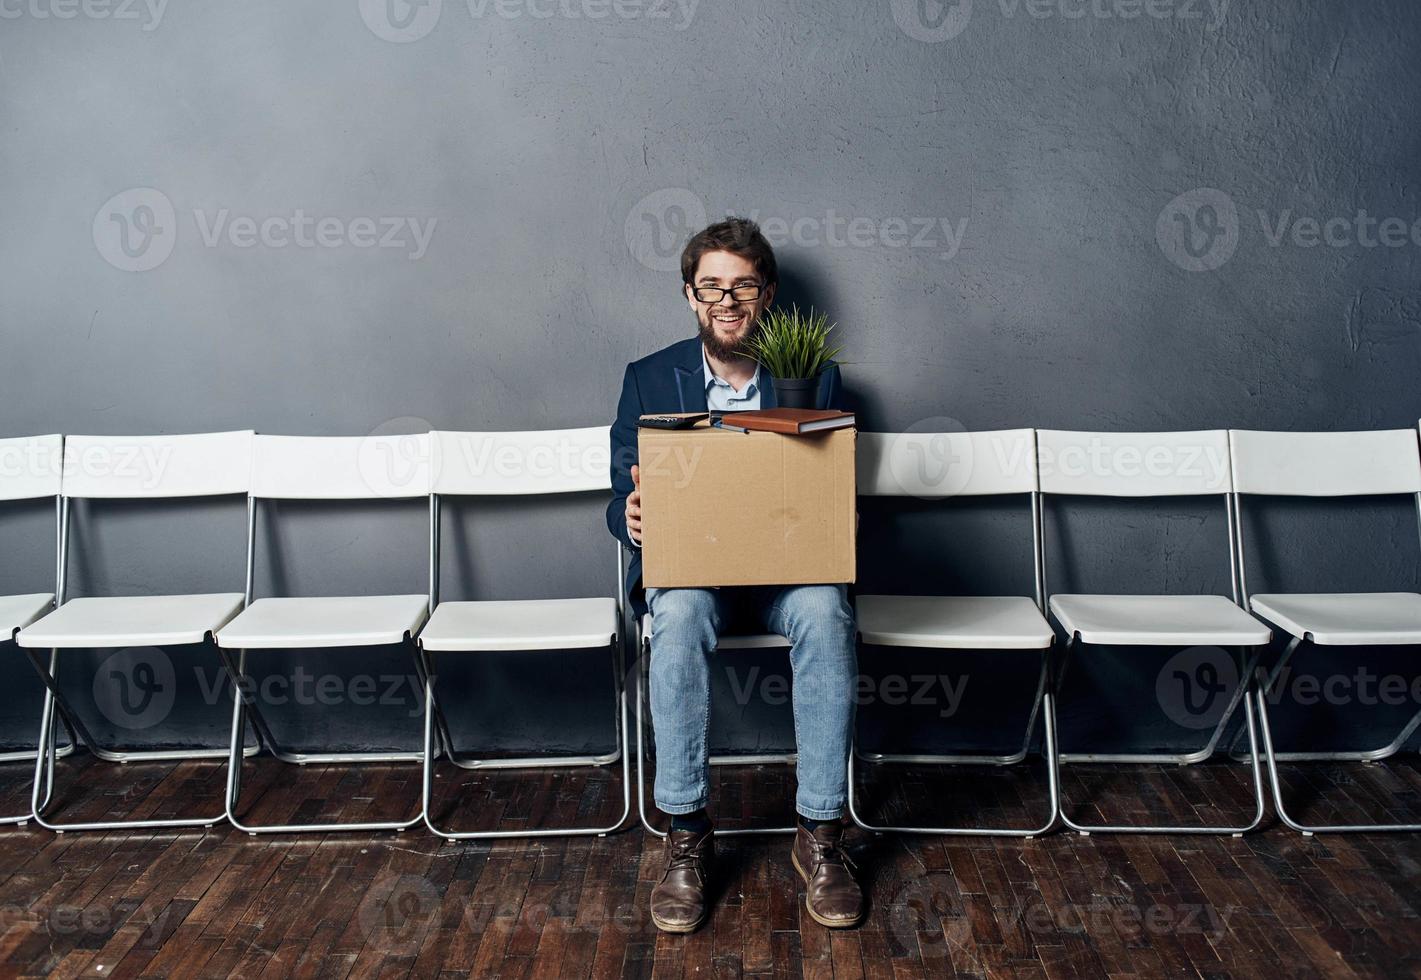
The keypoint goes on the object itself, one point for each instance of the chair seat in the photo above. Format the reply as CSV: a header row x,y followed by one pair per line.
x,y
956,622
132,621
324,621
521,624
19,611
739,641
1158,620
1361,618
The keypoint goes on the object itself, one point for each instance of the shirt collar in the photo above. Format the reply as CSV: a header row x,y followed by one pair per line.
x,y
710,376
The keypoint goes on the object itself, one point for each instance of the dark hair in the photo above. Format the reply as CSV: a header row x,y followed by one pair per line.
x,y
738,236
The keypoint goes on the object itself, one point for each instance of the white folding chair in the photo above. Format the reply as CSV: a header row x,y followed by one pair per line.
x,y
520,464
29,470
133,468
1149,465
1329,464
322,468
960,464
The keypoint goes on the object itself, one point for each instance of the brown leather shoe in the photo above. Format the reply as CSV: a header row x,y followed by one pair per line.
x,y
831,895
678,902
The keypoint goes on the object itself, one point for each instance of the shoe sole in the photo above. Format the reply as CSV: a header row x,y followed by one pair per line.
x,y
826,923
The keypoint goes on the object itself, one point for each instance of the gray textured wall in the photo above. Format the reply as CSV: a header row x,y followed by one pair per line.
x,y
1099,214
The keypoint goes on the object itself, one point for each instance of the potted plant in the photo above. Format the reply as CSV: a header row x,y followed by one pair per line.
x,y
794,348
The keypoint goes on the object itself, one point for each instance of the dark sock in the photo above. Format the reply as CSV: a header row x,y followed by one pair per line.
x,y
698,821
810,825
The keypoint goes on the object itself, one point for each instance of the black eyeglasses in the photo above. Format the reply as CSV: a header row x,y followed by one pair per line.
x,y
715,294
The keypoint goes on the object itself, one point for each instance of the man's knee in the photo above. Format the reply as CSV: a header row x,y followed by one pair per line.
x,y
691,611
820,609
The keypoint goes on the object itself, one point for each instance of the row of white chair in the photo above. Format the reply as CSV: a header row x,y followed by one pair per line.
x,y
1015,462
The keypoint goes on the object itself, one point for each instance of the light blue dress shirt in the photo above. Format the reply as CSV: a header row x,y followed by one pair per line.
x,y
721,396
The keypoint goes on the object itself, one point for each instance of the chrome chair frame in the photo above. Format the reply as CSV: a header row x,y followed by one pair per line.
x,y
1274,757
434,718
1043,705
47,754
242,702
70,724
1240,695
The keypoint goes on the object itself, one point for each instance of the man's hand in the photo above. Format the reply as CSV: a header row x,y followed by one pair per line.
x,y
634,507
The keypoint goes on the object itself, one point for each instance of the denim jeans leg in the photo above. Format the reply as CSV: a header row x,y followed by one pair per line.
x,y
819,623
684,631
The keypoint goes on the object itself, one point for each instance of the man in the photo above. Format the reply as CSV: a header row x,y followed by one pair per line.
x,y
729,277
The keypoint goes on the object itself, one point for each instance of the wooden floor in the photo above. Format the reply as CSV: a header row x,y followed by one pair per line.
x,y
224,904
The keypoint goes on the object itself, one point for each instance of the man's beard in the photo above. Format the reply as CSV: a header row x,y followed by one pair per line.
x,y
736,351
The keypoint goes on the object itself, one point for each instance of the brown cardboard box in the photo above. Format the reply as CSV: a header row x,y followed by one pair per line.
x,y
721,507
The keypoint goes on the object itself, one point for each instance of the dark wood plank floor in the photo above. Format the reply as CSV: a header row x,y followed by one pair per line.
x,y
224,904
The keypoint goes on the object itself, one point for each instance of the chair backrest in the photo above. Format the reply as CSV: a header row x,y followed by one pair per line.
x,y
946,464
1134,464
549,461
340,467
1325,464
203,465
30,467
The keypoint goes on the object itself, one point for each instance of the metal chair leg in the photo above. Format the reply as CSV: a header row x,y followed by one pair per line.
x,y
1237,830
1356,755
643,664
45,757
1046,701
234,775
619,724
1308,830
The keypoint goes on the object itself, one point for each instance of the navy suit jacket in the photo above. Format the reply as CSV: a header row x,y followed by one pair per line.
x,y
671,380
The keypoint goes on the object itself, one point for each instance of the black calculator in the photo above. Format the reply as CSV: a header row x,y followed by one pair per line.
x,y
670,421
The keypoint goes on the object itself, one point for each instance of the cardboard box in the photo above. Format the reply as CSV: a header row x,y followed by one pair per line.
x,y
721,507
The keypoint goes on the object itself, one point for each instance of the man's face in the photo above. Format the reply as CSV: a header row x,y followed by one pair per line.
x,y
726,324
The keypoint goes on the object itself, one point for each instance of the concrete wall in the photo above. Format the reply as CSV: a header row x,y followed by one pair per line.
x,y
372,217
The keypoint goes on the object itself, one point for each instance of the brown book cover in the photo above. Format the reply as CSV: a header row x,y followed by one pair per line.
x,y
790,421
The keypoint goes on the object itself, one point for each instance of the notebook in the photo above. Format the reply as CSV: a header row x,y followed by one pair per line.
x,y
791,421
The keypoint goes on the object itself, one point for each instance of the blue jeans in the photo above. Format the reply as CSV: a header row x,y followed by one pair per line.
x,y
818,622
